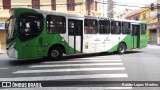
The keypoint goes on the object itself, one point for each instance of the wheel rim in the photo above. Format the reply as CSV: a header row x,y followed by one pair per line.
x,y
122,49
55,53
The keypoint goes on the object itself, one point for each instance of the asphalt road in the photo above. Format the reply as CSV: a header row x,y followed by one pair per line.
x,y
87,72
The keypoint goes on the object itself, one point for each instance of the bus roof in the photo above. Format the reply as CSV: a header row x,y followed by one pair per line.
x,y
79,16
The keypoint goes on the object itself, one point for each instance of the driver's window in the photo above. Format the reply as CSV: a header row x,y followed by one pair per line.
x,y
30,25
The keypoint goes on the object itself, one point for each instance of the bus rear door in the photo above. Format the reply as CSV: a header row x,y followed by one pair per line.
x,y
75,28
135,36
143,36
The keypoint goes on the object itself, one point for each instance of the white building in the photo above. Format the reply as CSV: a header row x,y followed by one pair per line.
x,y
122,14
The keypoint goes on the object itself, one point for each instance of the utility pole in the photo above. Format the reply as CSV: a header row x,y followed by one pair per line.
x,y
103,8
110,11
89,7
158,16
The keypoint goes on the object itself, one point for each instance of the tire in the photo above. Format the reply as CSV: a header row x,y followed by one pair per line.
x,y
55,53
121,48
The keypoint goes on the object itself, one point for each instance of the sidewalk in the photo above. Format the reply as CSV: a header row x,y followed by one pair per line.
x,y
2,51
154,46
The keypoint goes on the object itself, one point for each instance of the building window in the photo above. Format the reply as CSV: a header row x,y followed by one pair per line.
x,y
93,5
56,24
6,4
71,5
53,2
36,4
136,18
144,16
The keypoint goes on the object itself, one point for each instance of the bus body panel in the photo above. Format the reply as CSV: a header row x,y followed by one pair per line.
x,y
72,43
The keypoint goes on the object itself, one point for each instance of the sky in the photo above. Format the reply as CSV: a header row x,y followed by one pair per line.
x,y
126,2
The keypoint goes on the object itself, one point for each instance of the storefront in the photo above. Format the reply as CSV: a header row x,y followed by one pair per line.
x,y
2,37
153,36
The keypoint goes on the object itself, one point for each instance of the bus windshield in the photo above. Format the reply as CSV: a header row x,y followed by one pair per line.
x,y
11,31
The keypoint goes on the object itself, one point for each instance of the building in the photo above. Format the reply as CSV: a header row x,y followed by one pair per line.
x,y
123,14
151,17
145,14
134,15
153,28
66,6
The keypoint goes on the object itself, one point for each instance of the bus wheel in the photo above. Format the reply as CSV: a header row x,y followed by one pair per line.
x,y
121,48
55,53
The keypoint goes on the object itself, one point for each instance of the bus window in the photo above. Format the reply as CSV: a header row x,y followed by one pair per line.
x,y
115,27
104,26
56,24
143,28
71,27
91,26
31,25
74,27
126,28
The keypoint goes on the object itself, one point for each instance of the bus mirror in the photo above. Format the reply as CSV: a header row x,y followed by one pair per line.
x,y
6,26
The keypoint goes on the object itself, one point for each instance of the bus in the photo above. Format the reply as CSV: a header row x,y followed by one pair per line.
x,y
33,33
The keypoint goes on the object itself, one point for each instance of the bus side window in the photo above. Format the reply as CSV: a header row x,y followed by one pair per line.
x,y
91,26
115,27
143,29
56,24
71,27
104,26
126,28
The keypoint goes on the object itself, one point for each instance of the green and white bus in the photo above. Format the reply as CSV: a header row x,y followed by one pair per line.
x,y
35,33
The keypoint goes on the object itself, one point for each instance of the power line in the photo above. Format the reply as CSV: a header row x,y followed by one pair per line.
x,y
29,5
81,3
123,4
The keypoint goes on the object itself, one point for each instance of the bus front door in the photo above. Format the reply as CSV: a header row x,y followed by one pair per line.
x,y
75,28
135,36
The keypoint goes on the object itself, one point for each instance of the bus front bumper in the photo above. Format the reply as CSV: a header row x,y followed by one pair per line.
x,y
12,53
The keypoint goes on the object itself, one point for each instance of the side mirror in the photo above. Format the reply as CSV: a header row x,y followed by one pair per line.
x,y
6,26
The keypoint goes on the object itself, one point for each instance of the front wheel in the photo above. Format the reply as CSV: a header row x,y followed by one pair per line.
x,y
121,48
55,53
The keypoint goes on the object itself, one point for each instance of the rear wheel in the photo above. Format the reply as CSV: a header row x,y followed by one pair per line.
x,y
55,53
121,48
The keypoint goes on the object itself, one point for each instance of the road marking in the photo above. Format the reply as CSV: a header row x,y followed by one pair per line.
x,y
64,65
109,56
73,88
3,68
66,77
84,61
68,70
100,58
